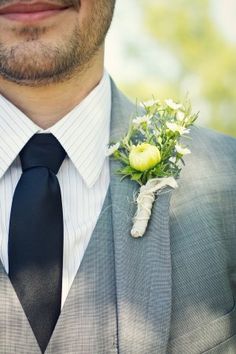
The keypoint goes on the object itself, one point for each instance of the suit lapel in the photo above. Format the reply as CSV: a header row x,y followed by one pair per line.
x,y
143,266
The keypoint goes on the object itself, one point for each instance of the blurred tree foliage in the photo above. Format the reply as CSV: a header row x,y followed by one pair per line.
x,y
206,59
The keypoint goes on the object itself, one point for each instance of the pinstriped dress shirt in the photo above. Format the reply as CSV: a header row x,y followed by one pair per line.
x,y
83,176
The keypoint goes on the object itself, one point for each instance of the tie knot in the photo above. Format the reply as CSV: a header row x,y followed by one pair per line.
x,y
42,150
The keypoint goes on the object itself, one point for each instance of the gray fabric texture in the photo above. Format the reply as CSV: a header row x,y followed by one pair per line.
x,y
87,323
203,247
171,292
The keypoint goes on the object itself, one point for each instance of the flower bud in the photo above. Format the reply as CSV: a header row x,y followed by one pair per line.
x,y
144,156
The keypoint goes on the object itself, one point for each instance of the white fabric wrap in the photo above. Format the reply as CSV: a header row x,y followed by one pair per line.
x,y
145,200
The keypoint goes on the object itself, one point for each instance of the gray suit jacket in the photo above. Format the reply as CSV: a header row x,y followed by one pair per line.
x,y
171,292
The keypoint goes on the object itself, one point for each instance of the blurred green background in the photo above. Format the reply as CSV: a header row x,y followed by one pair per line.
x,y
166,48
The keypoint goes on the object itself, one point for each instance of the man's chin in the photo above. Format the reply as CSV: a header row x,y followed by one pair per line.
x,y
36,64
30,78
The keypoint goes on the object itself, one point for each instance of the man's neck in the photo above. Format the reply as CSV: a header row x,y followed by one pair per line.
x,y
47,105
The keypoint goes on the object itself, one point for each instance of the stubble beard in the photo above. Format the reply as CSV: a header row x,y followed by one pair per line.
x,y
35,64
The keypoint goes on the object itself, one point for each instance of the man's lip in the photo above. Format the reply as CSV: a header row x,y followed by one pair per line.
x,y
21,8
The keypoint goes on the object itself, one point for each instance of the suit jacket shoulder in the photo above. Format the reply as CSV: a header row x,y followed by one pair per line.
x,y
213,154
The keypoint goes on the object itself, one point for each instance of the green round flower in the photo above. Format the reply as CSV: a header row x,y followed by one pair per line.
x,y
144,156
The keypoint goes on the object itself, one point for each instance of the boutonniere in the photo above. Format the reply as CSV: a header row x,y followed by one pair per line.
x,y
152,153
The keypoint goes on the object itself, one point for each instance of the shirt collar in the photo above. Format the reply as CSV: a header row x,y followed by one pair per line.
x,y
83,132
15,130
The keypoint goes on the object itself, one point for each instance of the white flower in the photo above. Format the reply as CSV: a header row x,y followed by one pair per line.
x,y
112,149
177,128
181,150
173,105
139,120
180,116
150,103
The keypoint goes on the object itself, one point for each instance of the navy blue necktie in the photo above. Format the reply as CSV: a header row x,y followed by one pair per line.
x,y
35,245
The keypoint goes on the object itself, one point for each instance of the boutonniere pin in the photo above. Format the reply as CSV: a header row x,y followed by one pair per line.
x,y
152,153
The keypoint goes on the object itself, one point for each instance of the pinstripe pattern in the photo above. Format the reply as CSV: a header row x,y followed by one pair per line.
x,y
83,177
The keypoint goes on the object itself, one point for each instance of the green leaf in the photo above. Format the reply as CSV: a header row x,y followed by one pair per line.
x,y
127,170
136,176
